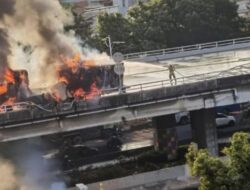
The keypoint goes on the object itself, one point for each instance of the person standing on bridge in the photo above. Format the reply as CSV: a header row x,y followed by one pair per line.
x,y
172,77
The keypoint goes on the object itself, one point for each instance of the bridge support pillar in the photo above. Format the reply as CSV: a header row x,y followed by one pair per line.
x,y
204,129
166,135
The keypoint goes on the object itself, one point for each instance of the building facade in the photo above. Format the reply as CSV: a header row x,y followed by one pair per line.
x,y
109,6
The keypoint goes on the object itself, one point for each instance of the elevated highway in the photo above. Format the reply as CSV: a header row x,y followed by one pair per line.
x,y
190,50
151,99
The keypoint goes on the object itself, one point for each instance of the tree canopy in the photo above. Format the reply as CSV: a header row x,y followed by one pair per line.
x,y
168,23
230,173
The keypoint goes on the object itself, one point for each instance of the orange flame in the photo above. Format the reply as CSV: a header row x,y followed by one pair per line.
x,y
3,89
63,79
89,63
9,76
10,101
93,93
79,93
74,64
7,79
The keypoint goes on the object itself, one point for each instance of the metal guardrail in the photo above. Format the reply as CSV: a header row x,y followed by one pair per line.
x,y
238,70
196,47
15,107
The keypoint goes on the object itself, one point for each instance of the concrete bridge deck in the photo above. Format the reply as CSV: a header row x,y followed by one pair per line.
x,y
190,50
148,94
140,101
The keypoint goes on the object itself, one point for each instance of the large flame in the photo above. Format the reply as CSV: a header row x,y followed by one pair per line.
x,y
8,77
10,84
79,77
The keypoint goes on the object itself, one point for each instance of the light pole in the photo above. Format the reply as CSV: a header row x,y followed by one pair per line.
x,y
110,44
119,69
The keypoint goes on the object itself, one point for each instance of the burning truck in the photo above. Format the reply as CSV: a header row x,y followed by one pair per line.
x,y
77,80
14,86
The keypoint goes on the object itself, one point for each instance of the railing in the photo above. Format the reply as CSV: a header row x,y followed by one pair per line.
x,y
99,9
138,88
238,70
188,48
15,107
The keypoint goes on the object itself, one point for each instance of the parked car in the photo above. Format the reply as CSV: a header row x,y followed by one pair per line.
x,y
224,120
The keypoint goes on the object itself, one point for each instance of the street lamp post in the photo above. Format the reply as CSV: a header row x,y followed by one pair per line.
x,y
118,58
119,69
110,44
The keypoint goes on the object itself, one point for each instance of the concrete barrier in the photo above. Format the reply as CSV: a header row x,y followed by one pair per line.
x,y
174,177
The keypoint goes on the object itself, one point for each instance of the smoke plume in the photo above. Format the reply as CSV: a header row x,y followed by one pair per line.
x,y
7,176
22,167
4,51
9,179
32,37
6,8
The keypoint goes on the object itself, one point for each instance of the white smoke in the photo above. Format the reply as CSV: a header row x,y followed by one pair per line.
x,y
7,176
37,38
10,179
26,170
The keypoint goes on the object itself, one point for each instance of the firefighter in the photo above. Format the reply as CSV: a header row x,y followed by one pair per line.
x,y
172,77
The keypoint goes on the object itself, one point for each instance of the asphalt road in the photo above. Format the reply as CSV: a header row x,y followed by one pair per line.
x,y
145,137
138,72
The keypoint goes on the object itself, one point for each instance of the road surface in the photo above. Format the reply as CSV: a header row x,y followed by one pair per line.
x,y
138,72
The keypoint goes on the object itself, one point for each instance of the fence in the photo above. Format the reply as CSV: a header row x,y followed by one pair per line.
x,y
189,48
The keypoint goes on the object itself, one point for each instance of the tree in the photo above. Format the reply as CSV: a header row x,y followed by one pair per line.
x,y
167,23
115,26
230,173
83,28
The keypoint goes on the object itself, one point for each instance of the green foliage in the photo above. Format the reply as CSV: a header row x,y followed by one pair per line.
x,y
230,173
82,28
117,27
67,6
168,23
191,157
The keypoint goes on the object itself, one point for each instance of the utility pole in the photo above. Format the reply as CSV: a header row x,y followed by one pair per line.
x,y
109,44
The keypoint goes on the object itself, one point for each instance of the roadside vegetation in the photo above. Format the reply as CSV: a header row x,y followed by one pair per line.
x,y
231,172
145,162
164,24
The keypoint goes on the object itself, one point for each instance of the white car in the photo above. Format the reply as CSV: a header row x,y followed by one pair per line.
x,y
224,120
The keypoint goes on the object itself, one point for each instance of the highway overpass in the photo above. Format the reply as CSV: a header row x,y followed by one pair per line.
x,y
190,50
140,101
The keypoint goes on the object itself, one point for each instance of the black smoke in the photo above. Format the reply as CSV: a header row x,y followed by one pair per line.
x,y
7,7
4,52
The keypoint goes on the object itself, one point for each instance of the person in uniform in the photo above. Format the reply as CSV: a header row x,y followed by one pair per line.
x,y
172,77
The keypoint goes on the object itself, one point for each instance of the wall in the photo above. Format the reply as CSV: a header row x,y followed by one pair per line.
x,y
174,177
